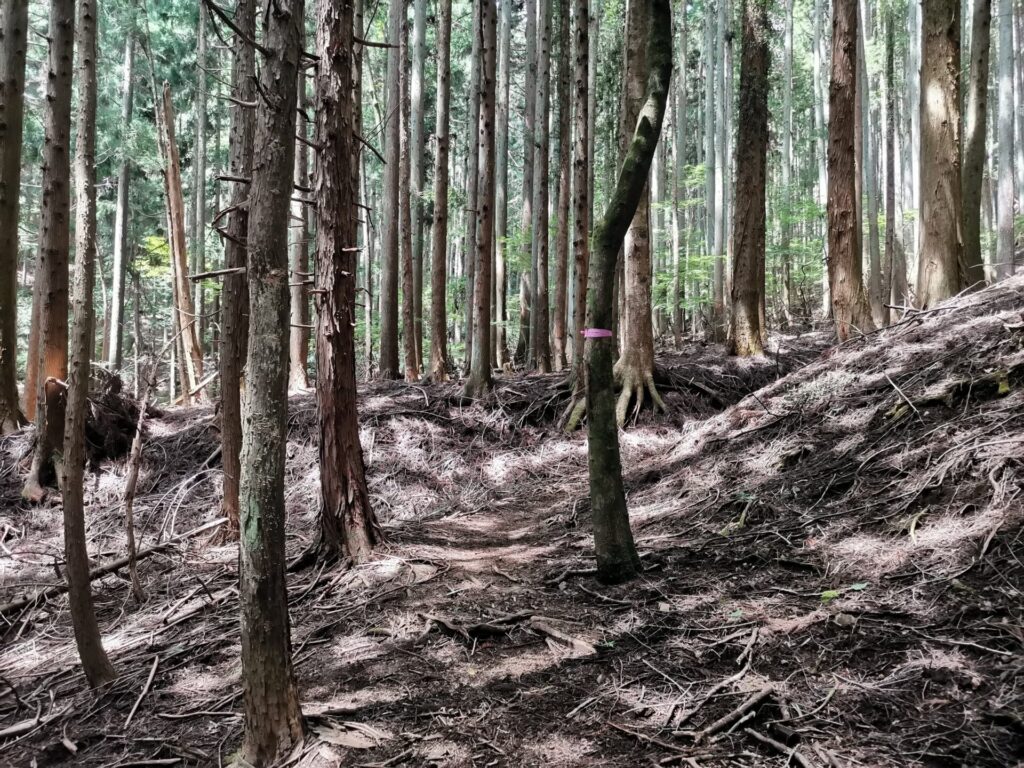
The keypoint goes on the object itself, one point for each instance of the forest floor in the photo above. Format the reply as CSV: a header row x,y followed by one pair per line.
x,y
833,575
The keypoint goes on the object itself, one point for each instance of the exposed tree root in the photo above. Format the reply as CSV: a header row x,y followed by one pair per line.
x,y
635,380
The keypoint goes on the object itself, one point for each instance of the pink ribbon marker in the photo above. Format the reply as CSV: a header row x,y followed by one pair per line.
x,y
596,333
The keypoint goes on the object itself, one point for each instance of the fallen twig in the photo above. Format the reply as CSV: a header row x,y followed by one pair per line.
x,y
726,720
145,690
790,752
103,570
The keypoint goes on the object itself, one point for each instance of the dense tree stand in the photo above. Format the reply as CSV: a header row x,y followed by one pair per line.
x,y
617,558
273,721
348,526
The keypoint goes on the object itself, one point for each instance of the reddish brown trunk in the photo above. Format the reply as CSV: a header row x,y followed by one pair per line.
x,y
191,355
50,308
747,332
348,527
850,309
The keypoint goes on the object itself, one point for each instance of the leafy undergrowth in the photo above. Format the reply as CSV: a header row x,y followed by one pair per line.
x,y
833,576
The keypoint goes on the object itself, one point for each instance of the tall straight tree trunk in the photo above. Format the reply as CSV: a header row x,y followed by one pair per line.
x,y
539,335
472,184
975,130
617,559
298,275
390,253
678,161
564,187
501,191
199,181
524,350
582,164
417,143
709,146
121,252
913,81
747,333
1004,208
13,44
940,267
720,311
479,380
438,264
897,270
850,309
234,337
191,352
348,526
867,176
405,210
95,663
787,163
273,721
634,369
50,305
821,132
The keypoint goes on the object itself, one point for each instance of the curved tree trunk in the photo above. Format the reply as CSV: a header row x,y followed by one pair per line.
x,y
13,44
975,130
235,294
617,558
747,333
850,308
273,721
439,250
348,526
50,306
479,380
95,663
940,261
634,369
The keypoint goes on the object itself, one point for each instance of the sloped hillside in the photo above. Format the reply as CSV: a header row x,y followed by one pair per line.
x,y
833,576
